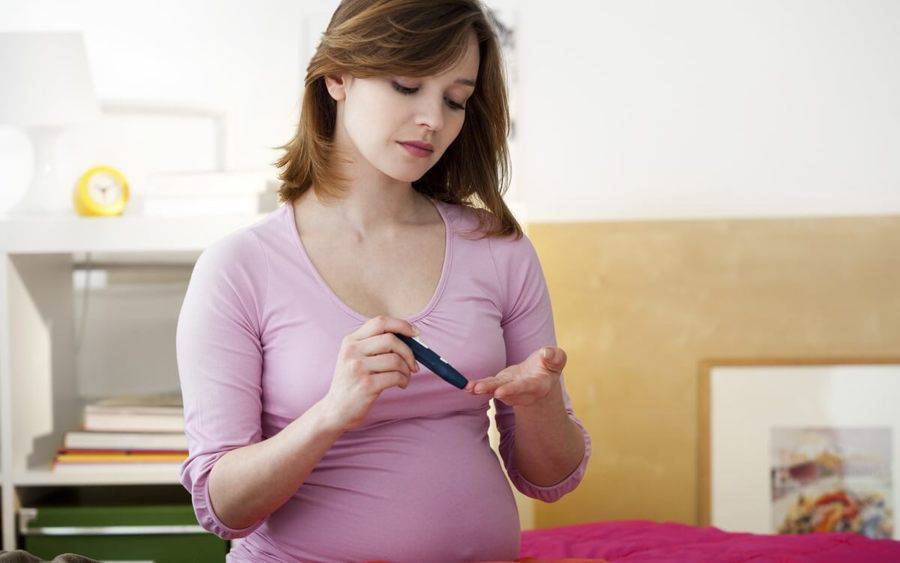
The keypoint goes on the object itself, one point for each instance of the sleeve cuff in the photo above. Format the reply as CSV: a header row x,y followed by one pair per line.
x,y
207,517
552,493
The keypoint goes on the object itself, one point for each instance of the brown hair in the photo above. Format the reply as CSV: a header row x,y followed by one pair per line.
x,y
416,38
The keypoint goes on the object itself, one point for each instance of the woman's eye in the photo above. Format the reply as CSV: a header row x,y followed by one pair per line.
x,y
403,89
409,91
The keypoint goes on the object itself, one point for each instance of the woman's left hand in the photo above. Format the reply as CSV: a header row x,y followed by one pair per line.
x,y
525,383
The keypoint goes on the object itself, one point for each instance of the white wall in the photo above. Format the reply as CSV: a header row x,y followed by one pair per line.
x,y
627,109
238,57
701,108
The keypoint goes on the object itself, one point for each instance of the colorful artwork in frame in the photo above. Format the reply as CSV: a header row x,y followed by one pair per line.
x,y
792,448
831,480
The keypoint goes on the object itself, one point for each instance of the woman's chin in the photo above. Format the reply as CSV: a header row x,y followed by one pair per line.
x,y
406,173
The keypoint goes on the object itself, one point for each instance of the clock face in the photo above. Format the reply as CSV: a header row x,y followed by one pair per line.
x,y
104,189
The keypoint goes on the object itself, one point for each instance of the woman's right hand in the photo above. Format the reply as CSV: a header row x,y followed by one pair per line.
x,y
370,360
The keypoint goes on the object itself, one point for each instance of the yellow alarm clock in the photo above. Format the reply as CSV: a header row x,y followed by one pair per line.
x,y
101,191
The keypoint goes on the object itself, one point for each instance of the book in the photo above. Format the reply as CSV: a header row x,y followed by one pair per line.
x,y
139,457
206,183
160,412
179,194
132,422
117,451
125,440
185,206
92,468
158,402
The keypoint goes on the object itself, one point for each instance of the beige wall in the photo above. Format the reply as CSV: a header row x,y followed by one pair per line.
x,y
639,305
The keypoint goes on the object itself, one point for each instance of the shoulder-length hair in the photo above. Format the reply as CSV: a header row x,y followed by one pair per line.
x,y
369,38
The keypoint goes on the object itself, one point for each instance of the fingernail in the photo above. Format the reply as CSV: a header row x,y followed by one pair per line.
x,y
416,331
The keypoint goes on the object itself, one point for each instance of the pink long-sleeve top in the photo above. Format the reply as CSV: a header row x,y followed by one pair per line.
x,y
257,342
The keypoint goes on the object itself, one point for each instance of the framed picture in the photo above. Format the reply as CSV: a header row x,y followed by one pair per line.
x,y
788,447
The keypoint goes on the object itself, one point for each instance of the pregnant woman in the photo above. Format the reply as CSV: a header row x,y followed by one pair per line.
x,y
313,432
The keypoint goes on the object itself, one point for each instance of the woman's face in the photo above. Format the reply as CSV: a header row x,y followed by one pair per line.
x,y
376,114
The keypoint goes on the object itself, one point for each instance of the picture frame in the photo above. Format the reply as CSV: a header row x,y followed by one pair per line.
x,y
799,446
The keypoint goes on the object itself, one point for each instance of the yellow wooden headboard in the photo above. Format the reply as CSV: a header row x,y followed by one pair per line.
x,y
639,305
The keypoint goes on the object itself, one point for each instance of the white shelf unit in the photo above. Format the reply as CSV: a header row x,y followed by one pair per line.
x,y
39,399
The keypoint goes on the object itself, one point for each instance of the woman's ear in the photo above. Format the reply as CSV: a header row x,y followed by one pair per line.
x,y
337,86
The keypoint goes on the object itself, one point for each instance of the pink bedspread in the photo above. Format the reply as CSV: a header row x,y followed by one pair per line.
x,y
641,540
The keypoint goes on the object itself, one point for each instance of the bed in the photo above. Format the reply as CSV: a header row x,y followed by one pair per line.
x,y
642,540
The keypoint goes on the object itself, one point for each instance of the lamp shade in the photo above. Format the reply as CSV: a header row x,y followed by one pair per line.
x,y
45,80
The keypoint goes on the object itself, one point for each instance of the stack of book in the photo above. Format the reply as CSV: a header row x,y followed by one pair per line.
x,y
205,193
127,431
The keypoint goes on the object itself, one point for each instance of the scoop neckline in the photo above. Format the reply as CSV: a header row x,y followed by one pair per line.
x,y
320,281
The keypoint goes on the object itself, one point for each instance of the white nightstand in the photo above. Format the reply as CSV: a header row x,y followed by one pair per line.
x,y
39,398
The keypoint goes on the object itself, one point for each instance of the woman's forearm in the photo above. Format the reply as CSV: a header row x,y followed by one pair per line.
x,y
548,445
247,484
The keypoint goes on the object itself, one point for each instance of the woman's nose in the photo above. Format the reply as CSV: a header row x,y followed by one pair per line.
x,y
431,113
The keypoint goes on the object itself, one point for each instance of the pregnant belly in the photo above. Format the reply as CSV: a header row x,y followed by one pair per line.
x,y
413,490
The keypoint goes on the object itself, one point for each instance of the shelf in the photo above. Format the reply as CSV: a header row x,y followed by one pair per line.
x,y
67,234
124,476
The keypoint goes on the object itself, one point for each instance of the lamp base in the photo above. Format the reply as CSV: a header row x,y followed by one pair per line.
x,y
45,196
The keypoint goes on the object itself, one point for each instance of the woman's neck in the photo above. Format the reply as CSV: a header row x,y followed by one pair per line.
x,y
365,213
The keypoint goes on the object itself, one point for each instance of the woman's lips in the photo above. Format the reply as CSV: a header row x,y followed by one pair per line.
x,y
414,150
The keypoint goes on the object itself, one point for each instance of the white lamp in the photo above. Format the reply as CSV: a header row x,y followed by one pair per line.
x,y
45,85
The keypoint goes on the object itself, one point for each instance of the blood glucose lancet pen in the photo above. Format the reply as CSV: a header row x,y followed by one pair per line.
x,y
435,363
